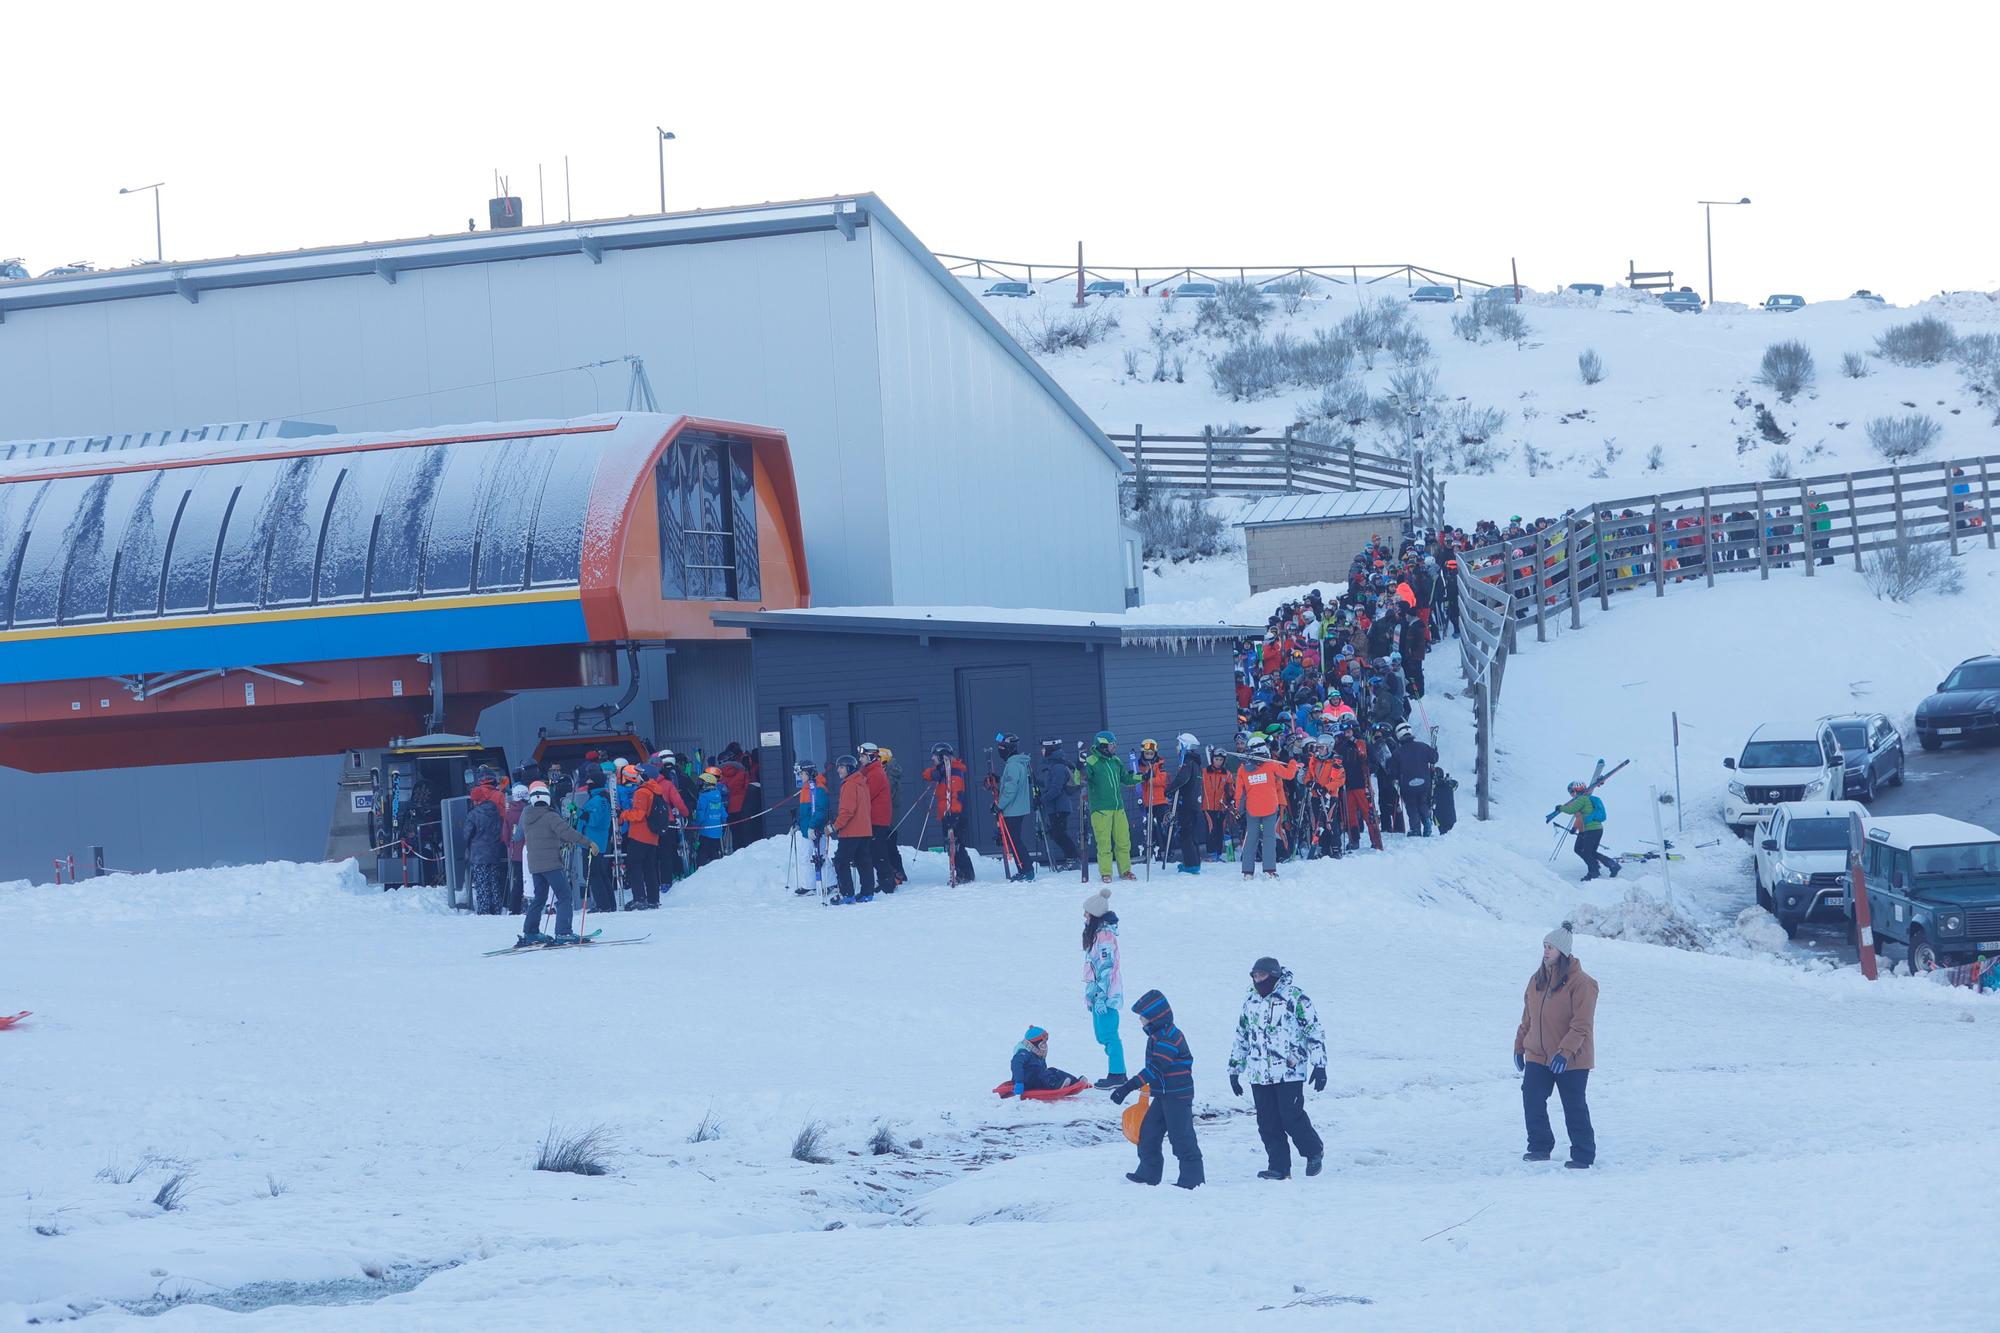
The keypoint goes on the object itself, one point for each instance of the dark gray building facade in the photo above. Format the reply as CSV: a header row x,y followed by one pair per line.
x,y
826,682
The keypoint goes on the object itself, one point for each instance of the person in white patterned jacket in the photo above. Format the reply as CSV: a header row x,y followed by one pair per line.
x,y
1279,1044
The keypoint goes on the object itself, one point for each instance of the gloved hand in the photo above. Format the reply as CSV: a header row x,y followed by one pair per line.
x,y
1550,817
595,850
1236,1085
1520,1063
1020,1089
1122,1091
1319,1079
1557,1065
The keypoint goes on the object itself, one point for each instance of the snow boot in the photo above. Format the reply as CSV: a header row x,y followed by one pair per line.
x,y
571,938
1575,1165
1138,1179
1270,874
1313,1165
1614,870
1111,1081
865,898
1126,874
1107,879
1274,1175
1190,870
532,939
846,900
1250,874
1534,1157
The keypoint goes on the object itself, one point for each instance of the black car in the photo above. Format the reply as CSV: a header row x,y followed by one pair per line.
x,y
1966,705
1873,751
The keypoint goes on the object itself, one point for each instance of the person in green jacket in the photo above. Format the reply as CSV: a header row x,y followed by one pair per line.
x,y
1587,822
1105,778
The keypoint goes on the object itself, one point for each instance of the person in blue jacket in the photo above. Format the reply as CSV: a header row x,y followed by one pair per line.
x,y
1031,1065
593,820
711,813
1169,1072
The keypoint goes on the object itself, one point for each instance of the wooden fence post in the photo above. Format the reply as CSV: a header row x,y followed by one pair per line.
x,y
1707,537
1604,566
1854,521
1659,550
1806,526
1950,508
1986,503
1763,537
1353,474
1138,449
1288,460
1541,602
1572,539
1208,459
1902,536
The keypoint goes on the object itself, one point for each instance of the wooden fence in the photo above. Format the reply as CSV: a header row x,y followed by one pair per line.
x,y
1256,465
1775,529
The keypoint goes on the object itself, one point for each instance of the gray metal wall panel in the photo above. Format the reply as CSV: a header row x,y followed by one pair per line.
x,y
971,439
1158,693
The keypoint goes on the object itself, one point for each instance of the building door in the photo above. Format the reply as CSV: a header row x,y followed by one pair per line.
x,y
893,725
991,700
803,734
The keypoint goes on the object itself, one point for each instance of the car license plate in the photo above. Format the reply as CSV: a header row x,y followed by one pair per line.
x,y
1951,731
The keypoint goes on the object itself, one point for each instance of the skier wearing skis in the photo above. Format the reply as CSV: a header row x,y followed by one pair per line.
x,y
1586,814
1279,1045
1015,802
1030,1066
881,808
544,834
1105,781
1103,987
486,857
593,821
946,778
1184,797
1555,1049
1410,768
1169,1072
1054,779
1259,781
855,828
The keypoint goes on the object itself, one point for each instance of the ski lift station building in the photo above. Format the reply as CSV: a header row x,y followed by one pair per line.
x,y
482,385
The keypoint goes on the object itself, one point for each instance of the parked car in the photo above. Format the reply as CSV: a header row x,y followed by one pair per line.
x,y
1783,761
70,270
1682,302
1784,304
1799,856
1506,291
1865,295
1194,291
1587,288
1107,287
1872,749
12,268
1966,705
1009,289
1933,887
1442,295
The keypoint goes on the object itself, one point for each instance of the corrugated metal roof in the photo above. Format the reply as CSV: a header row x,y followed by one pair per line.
x,y
1325,505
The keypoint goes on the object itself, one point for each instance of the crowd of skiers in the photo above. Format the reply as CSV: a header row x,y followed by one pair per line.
x,y
1280,1048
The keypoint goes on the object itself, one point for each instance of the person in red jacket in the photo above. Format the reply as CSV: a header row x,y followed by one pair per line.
x,y
665,806
946,780
882,809
854,826
642,845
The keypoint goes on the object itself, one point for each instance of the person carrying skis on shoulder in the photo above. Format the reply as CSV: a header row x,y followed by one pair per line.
x,y
946,779
1586,814
1016,801
1410,767
1279,1045
544,834
1103,987
1184,797
1555,1048
711,817
1105,781
1055,781
1259,789
855,828
485,856
1169,1073
1030,1066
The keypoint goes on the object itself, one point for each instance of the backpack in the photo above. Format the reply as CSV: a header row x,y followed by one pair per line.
x,y
658,821
1596,811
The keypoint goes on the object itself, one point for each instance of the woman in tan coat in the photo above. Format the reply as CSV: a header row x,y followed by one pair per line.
x,y
1554,1050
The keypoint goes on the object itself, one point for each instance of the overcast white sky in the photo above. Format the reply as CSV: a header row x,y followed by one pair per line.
x,y
1572,137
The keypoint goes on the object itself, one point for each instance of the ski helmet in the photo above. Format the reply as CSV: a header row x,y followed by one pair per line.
x,y
886,753
711,776
538,793
518,792
1259,745
1187,741
1007,741
1106,741
1576,787
869,749
629,773
1403,731
941,751
1050,747
1149,746
846,764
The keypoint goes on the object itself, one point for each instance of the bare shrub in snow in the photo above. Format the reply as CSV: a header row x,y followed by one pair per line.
x,y
1908,566
1921,342
274,1186
709,1129
1788,368
1180,528
1131,363
1854,365
1655,458
1408,347
1247,370
1768,427
1236,308
1897,438
172,1195
1251,368
1414,384
1048,329
580,1154
1590,366
1978,354
1778,467
809,1144
882,1143
1495,319
1291,293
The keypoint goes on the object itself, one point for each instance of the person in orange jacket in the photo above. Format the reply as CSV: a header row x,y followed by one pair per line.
x,y
946,780
1326,777
1153,799
1215,795
1260,791
854,826
882,809
642,845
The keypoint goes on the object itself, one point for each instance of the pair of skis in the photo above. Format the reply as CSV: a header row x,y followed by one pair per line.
x,y
591,939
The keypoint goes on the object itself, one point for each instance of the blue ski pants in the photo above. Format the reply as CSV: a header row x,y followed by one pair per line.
x,y
547,882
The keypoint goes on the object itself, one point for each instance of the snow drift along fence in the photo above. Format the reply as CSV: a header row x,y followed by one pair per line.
x,y
1788,529
1254,465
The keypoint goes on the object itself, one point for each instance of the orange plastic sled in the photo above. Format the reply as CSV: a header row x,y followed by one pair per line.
x,y
10,1020
1136,1113
1044,1094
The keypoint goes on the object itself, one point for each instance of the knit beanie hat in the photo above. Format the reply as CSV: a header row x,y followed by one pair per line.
x,y
1035,1034
1267,965
1560,939
1097,904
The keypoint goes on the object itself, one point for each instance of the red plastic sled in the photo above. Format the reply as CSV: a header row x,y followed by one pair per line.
x,y
1044,1094
10,1020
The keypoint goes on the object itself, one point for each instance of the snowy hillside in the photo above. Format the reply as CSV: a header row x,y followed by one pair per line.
x,y
1684,383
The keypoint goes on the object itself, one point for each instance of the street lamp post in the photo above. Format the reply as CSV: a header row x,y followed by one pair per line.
x,y
159,250
665,135
1708,207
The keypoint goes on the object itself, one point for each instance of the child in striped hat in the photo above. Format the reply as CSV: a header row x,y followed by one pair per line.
x,y
1031,1065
